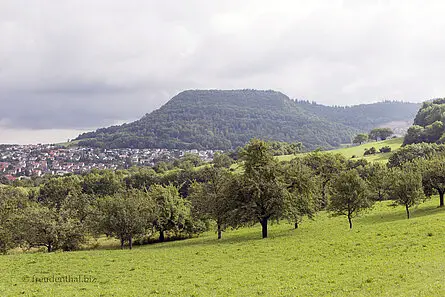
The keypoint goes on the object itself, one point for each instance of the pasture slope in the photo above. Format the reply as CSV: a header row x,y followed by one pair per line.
x,y
358,150
384,255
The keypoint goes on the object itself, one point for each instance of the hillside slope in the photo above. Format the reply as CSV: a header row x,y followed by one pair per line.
x,y
365,116
216,119
384,255
223,120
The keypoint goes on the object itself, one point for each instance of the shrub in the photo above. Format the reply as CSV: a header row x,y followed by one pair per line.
x,y
370,151
385,149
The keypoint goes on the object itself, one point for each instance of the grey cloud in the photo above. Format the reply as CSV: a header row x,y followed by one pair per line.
x,y
85,64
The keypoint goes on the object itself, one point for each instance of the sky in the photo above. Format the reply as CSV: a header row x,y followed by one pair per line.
x,y
71,66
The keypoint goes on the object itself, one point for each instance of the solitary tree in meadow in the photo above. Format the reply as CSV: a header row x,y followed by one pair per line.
x,y
406,187
326,166
215,198
263,193
360,138
433,177
349,195
302,190
171,210
126,215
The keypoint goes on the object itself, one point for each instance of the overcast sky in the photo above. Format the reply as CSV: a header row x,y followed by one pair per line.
x,y
74,65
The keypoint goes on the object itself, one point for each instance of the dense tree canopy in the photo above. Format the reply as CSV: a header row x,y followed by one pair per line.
x,y
428,124
215,119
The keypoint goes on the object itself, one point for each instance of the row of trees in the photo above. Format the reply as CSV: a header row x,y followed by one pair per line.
x,y
139,204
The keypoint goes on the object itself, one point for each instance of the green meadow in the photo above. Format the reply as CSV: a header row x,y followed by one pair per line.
x,y
384,255
358,150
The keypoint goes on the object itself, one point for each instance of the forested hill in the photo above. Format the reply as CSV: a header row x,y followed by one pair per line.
x,y
215,119
365,116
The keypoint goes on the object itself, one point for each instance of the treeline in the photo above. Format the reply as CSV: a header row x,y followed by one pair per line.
x,y
140,205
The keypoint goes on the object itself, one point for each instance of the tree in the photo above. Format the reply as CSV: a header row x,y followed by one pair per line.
x,y
102,183
414,151
12,201
326,166
380,133
40,225
433,177
215,199
263,193
360,138
126,215
302,191
415,134
171,210
370,151
221,160
406,186
348,195
376,176
141,179
54,192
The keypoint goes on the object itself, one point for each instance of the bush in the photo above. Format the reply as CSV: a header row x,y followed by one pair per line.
x,y
370,151
385,149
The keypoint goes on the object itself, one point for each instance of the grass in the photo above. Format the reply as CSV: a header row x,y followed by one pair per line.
x,y
384,255
358,150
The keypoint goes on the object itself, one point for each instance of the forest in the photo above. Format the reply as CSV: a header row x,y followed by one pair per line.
x,y
224,120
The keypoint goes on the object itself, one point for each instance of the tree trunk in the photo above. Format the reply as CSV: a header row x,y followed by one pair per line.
x,y
122,242
49,247
130,242
296,225
350,221
323,197
407,210
441,192
161,236
219,231
264,227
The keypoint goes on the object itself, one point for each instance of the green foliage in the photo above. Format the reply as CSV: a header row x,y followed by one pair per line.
x,y
370,151
102,183
380,133
12,201
303,191
348,195
54,192
126,215
405,186
171,211
385,149
428,124
360,138
215,119
215,199
39,225
263,194
414,151
364,117
325,166
433,177
221,160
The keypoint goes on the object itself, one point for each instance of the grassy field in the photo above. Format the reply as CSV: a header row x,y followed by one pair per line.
x,y
358,150
384,255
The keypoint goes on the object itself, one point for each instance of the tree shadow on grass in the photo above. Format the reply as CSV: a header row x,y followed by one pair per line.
x,y
229,238
399,214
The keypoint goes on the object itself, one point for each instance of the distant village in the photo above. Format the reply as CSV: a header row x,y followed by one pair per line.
x,y
24,161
